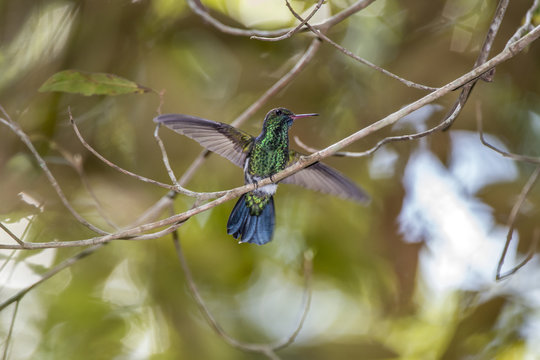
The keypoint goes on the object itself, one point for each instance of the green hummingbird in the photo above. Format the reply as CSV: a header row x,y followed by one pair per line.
x,y
253,217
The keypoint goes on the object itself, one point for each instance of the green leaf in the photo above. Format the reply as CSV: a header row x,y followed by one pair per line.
x,y
78,82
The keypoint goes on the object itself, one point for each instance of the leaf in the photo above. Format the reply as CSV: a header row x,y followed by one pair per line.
x,y
78,82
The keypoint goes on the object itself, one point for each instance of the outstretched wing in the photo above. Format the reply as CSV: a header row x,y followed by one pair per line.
x,y
323,178
223,139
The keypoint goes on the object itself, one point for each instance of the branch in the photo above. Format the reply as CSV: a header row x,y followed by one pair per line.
x,y
12,235
75,161
517,157
515,209
267,349
10,331
291,32
322,36
198,8
511,221
482,57
64,264
527,24
24,138
440,127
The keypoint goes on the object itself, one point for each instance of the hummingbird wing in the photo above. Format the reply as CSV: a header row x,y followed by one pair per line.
x,y
223,139
323,178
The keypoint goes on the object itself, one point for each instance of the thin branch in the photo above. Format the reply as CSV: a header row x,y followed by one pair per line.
x,y
164,156
176,188
517,157
64,264
24,138
322,36
440,127
527,24
517,205
97,204
482,57
291,32
12,235
511,222
10,331
308,270
75,161
267,349
198,8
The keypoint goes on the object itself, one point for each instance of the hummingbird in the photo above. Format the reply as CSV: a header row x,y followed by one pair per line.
x,y
252,219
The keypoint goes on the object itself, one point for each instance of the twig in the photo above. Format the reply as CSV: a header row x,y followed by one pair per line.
x,y
267,349
517,157
164,156
64,264
131,234
24,138
180,189
527,24
10,331
291,32
511,221
308,270
322,36
12,235
482,58
517,205
198,8
75,161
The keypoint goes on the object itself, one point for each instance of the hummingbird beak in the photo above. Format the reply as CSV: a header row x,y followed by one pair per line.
x,y
298,116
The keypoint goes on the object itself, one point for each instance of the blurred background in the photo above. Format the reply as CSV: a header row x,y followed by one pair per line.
x,y
410,276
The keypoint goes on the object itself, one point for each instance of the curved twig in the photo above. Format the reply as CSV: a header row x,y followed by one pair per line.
x,y
267,349
322,36
513,156
198,8
43,165
511,221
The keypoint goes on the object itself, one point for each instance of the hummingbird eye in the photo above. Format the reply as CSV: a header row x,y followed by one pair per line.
x,y
279,112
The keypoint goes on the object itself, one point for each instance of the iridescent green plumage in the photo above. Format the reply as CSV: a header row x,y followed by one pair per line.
x,y
252,218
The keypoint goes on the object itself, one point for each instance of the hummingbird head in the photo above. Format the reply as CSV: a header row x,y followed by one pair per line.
x,y
280,116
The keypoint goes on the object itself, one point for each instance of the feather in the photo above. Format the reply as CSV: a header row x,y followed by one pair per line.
x,y
323,178
223,139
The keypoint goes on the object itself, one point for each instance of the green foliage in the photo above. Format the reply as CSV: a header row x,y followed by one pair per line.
x,y
78,82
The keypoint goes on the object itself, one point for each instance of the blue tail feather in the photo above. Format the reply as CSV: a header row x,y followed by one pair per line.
x,y
251,228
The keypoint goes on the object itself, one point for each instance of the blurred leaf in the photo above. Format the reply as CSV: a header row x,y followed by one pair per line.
x,y
78,82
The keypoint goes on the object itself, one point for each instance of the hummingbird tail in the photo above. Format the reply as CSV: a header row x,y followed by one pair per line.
x,y
255,229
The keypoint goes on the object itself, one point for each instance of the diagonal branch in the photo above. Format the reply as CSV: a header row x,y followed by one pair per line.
x,y
322,36
482,57
511,222
43,165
